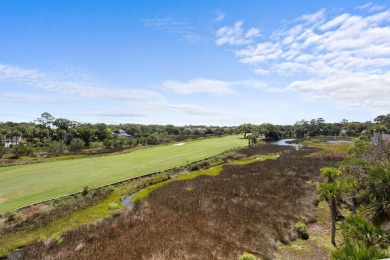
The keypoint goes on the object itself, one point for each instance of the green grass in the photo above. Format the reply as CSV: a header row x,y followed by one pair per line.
x,y
55,229
12,241
25,184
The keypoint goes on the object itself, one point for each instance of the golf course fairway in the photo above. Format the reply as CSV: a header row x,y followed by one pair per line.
x,y
26,184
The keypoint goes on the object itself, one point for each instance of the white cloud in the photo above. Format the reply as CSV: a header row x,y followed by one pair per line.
x,y
199,85
219,17
342,57
236,35
210,86
174,25
261,71
371,7
70,87
150,108
193,109
350,89
118,114
27,98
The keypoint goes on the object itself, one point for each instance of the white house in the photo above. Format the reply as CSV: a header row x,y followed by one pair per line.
x,y
11,140
122,133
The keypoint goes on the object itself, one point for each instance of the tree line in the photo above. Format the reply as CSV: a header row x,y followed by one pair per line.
x,y
56,135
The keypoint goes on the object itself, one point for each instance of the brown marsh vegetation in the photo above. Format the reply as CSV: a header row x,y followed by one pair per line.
x,y
247,208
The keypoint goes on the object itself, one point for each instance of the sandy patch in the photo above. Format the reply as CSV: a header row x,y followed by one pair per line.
x,y
179,144
2,200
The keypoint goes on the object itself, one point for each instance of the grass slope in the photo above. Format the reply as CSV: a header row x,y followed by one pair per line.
x,y
22,185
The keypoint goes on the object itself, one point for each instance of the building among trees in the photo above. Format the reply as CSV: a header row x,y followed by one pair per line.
x,y
11,140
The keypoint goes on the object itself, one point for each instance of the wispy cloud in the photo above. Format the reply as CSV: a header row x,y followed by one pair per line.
x,y
199,85
173,25
27,98
210,86
371,7
193,109
151,108
119,114
236,35
340,57
219,16
71,87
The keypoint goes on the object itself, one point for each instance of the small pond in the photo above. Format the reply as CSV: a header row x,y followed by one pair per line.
x,y
127,201
15,255
285,142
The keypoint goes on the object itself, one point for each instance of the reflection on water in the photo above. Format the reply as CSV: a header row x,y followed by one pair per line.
x,y
127,201
286,142
15,255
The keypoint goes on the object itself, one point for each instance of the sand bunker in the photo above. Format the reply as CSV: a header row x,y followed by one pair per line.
x,y
179,144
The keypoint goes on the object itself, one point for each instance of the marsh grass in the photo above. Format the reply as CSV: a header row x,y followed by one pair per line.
x,y
47,224
245,208
336,149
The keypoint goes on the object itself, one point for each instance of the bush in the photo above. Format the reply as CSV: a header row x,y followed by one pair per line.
x,y
355,251
301,229
113,206
85,191
21,150
76,144
195,168
56,148
10,215
3,150
247,256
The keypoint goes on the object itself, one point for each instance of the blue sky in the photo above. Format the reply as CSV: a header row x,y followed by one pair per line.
x,y
194,62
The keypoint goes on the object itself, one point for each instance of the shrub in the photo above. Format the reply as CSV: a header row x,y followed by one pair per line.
x,y
301,229
247,256
76,144
355,251
56,148
108,143
3,150
10,215
21,150
113,206
85,191
195,168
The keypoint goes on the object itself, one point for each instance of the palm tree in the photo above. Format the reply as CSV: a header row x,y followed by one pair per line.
x,y
331,192
331,173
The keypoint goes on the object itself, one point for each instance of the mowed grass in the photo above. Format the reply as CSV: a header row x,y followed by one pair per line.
x,y
25,184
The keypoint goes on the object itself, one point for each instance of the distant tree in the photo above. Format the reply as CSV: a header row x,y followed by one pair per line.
x,y
270,131
384,120
76,144
46,120
86,133
245,129
102,131
21,150
56,148
62,123
3,150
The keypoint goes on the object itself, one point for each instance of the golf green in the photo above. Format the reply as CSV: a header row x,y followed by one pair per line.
x,y
25,184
